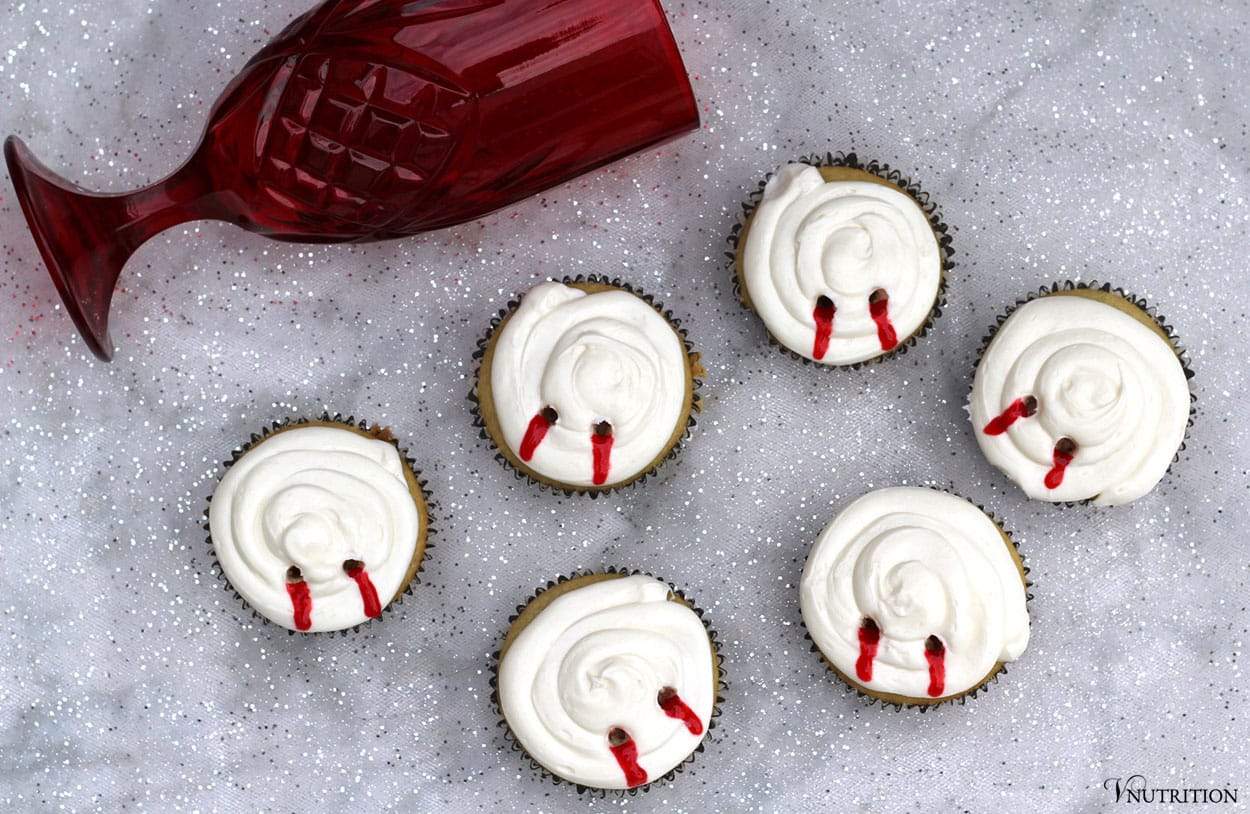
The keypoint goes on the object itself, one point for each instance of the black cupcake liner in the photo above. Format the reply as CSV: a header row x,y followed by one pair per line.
x,y
1182,355
883,171
721,686
961,699
696,405
349,421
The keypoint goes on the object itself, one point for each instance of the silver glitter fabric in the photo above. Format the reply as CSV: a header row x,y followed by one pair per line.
x,y
1064,141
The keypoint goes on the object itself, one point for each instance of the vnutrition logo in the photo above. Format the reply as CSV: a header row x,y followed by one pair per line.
x,y
1135,789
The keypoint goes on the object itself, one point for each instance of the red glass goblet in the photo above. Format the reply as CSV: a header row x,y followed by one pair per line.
x,y
372,119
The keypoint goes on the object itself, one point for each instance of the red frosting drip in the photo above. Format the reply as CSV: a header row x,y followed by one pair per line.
x,y
1055,476
869,635
301,602
935,654
369,594
824,326
534,434
626,754
879,308
601,446
674,707
1020,408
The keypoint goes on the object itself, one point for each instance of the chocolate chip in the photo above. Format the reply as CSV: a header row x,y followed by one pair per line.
x,y
934,645
352,565
1065,445
550,415
293,574
877,296
666,694
1030,405
603,428
617,736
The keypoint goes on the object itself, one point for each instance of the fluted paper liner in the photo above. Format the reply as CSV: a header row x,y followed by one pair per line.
x,y
1142,305
543,771
424,543
886,173
900,702
508,458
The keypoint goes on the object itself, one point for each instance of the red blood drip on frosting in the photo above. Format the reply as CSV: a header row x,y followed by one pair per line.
x,y
301,599
869,635
1065,451
536,432
674,707
879,308
626,753
935,654
1020,408
824,326
368,594
601,446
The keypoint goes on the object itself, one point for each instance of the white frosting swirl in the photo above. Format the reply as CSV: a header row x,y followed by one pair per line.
x,y
607,356
596,659
918,563
1102,379
842,240
315,497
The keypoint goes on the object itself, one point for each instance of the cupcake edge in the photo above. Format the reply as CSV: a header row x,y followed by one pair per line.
x,y
508,459
941,232
718,664
1146,313
901,702
425,510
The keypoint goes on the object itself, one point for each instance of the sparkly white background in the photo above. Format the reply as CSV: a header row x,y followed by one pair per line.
x,y
1106,142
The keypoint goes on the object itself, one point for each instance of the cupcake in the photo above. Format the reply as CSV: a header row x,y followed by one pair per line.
x,y
1080,394
915,597
845,263
585,386
319,525
608,680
